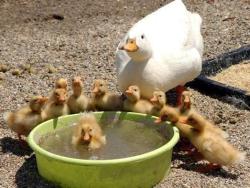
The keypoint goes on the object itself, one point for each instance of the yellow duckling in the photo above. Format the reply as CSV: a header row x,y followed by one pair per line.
x,y
24,120
134,103
88,130
159,101
56,105
61,83
103,99
209,142
78,102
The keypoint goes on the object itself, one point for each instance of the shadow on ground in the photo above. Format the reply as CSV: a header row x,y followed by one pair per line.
x,y
27,176
191,163
14,146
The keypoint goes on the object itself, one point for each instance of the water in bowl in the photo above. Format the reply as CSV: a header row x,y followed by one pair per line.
x,y
124,139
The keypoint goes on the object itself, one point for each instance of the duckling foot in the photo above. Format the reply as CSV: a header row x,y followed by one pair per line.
x,y
210,167
179,91
23,142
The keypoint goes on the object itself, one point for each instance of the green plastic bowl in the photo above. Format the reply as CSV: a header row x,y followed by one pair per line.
x,y
141,171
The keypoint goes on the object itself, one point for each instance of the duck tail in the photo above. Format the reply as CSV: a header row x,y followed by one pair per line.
x,y
9,118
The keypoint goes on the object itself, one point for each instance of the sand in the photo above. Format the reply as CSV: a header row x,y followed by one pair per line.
x,y
237,76
83,43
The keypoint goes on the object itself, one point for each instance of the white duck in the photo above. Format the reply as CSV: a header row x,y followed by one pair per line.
x,y
161,51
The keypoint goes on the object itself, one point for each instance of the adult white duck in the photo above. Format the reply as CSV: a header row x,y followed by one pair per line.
x,y
161,51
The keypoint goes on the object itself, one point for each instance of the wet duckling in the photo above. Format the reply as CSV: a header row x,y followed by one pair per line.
x,y
103,99
78,102
88,130
25,119
56,105
134,103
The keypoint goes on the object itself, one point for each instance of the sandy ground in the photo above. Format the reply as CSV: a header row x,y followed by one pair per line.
x,y
236,76
83,43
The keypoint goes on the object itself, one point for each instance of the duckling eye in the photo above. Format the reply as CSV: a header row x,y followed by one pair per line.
x,y
142,36
101,85
160,95
90,130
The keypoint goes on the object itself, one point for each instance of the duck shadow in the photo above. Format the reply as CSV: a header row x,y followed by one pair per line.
x,y
14,146
191,163
28,176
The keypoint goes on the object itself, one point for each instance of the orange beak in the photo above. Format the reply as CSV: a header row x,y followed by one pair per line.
x,y
95,90
86,137
153,99
128,92
130,46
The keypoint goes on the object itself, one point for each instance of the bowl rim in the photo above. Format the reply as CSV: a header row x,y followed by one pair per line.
x,y
169,145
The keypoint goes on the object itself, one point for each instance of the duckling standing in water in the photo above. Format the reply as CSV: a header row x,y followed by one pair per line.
x,y
56,105
207,139
88,130
78,102
61,83
134,103
25,119
103,99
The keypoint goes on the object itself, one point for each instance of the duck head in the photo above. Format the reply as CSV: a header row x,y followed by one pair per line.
x,y
158,99
133,93
137,46
99,88
37,102
77,86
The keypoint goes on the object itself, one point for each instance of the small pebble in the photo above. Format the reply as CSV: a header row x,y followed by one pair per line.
x,y
52,69
2,76
16,72
3,68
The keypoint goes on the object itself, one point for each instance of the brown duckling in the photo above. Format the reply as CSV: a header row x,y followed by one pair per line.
x,y
56,105
88,130
103,99
134,103
213,147
78,102
25,119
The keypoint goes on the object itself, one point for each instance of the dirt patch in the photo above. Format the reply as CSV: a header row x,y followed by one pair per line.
x,y
237,76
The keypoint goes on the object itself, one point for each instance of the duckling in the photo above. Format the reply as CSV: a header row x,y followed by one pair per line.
x,y
134,103
159,101
209,143
61,83
78,102
185,104
56,105
25,119
88,130
103,99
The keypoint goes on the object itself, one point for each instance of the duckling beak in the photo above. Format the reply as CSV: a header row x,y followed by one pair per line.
x,y
130,46
128,92
86,137
153,99
95,90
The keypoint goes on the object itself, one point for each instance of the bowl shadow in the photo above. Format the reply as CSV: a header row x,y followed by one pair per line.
x,y
191,163
28,176
14,146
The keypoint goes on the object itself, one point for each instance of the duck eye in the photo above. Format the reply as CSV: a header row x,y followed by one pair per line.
x,y
142,36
